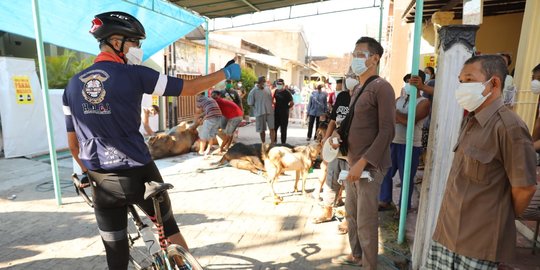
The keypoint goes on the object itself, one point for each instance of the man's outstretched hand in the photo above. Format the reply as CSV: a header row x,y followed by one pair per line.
x,y
232,70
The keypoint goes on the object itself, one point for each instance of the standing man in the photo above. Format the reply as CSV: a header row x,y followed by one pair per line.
x,y
371,130
492,178
260,98
283,102
334,167
145,117
102,105
397,148
231,94
317,106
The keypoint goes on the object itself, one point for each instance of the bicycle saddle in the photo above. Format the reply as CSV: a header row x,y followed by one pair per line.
x,y
153,188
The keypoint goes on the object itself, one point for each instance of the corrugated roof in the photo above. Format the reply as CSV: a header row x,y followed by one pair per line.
x,y
491,8
223,8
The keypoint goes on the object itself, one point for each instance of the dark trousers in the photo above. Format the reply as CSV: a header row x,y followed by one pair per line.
x,y
282,121
397,153
312,119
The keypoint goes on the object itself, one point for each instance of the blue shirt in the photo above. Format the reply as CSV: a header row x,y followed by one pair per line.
x,y
102,105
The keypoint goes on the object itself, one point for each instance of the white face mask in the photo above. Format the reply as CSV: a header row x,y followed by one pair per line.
x,y
469,95
239,85
535,86
134,56
428,77
407,88
358,65
350,83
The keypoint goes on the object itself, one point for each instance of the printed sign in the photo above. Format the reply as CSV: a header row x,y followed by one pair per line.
x,y
23,90
430,61
155,100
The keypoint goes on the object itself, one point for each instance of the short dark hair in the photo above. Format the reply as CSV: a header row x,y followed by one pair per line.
x,y
156,108
374,46
492,65
261,79
536,69
421,74
508,57
407,77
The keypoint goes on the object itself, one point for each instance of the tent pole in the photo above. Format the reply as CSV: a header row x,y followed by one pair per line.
x,y
45,93
410,121
381,19
206,48
380,26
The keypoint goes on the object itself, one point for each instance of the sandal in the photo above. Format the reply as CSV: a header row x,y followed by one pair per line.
x,y
344,260
319,220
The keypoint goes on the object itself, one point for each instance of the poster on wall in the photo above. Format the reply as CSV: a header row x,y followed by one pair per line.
x,y
22,115
428,60
23,90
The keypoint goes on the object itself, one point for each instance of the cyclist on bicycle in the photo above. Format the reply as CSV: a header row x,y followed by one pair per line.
x,y
102,105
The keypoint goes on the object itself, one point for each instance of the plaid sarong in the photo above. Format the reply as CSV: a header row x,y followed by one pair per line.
x,y
441,258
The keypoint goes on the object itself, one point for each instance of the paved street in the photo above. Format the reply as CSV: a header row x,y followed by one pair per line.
x,y
225,214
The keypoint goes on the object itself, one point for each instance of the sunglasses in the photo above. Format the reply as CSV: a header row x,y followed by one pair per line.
x,y
135,41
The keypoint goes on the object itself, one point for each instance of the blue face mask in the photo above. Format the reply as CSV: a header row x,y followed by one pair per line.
x,y
358,65
428,76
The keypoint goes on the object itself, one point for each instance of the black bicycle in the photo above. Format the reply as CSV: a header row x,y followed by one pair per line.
x,y
150,255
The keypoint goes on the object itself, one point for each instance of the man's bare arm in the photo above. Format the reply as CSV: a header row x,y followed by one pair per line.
x,y
521,197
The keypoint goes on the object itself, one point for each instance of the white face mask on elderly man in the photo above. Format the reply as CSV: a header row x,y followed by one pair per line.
x,y
469,95
134,56
535,86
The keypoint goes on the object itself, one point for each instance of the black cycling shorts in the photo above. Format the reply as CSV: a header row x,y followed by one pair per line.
x,y
115,190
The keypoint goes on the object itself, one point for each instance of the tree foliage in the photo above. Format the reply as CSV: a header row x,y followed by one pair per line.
x,y
248,79
62,67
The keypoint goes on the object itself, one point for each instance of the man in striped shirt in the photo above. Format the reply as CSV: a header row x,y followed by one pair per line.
x,y
211,121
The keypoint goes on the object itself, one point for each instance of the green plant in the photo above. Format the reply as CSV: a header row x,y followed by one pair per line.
x,y
248,79
62,67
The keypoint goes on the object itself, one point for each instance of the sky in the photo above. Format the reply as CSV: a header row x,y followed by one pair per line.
x,y
328,35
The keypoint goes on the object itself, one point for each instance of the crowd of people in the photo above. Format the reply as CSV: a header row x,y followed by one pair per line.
x,y
493,172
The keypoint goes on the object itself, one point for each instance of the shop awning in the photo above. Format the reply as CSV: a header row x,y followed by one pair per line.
x,y
66,23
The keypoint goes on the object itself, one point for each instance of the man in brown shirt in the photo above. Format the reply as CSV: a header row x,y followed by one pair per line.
x,y
492,178
370,134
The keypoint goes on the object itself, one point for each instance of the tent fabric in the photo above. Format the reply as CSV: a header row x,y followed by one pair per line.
x,y
23,126
66,23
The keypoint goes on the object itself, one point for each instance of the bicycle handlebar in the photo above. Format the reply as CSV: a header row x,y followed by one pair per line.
x,y
80,191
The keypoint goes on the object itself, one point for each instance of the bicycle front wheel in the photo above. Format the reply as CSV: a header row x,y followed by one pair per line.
x,y
181,259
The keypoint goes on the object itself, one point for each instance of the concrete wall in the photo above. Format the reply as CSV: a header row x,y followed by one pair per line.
x,y
500,34
399,61
284,44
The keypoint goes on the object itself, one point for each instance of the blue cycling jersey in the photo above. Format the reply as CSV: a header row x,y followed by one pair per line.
x,y
102,105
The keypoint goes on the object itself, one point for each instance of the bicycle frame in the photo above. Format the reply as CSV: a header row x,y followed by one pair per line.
x,y
160,259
